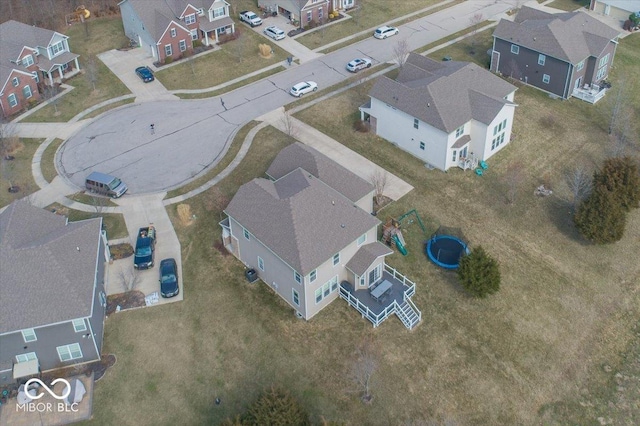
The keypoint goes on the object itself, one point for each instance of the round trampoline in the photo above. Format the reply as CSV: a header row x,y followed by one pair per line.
x,y
446,251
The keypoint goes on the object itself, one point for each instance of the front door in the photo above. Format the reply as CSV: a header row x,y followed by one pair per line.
x,y
578,83
374,275
463,152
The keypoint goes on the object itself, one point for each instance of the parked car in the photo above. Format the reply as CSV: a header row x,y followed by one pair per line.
x,y
358,64
385,31
169,278
274,32
145,74
102,183
145,248
304,87
250,18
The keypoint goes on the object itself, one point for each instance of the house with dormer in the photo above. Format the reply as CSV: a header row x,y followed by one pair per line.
x,y
447,114
168,29
308,232
31,55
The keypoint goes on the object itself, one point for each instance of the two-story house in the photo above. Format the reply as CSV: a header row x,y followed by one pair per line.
x,y
313,241
447,114
167,29
566,54
30,55
52,299
303,11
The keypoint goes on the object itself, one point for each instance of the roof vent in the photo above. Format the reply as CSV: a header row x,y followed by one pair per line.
x,y
534,39
78,248
428,105
342,225
333,203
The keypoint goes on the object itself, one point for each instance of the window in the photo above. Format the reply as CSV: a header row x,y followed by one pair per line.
x,y
26,92
454,155
15,81
318,295
57,48
69,352
422,146
309,15
103,299
313,275
497,141
326,289
416,123
320,13
541,59
246,234
194,34
168,51
297,277
219,12
604,61
29,335
183,45
200,11
296,298
336,259
260,263
27,61
26,357
13,101
374,275
363,281
459,131
580,66
334,284
546,78
36,77
173,32
601,73
79,325
362,239
190,19
515,49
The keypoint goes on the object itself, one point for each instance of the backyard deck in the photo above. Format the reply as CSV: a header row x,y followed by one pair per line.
x,y
396,301
591,94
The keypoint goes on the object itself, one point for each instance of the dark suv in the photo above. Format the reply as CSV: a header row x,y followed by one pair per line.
x,y
169,278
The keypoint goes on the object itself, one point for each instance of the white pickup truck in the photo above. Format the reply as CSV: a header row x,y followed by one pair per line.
x,y
250,18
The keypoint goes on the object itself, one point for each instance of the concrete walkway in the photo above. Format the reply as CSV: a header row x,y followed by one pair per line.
x,y
395,189
47,130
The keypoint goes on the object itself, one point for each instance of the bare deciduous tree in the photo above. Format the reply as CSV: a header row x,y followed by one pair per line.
x,y
474,20
289,124
401,51
379,179
579,181
365,366
513,178
91,71
621,119
49,94
240,46
8,143
128,278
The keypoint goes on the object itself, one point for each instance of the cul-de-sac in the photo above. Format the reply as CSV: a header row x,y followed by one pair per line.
x,y
320,212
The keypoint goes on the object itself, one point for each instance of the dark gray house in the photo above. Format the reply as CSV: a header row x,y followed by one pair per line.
x,y
567,54
52,299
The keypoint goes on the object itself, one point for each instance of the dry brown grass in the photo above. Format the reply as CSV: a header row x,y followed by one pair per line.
x,y
184,214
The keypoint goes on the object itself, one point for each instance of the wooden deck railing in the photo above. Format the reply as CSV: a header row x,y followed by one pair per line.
x,y
364,309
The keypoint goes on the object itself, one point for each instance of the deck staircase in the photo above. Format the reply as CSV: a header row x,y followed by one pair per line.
x,y
408,313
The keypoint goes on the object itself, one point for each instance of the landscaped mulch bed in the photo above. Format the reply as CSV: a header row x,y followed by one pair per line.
x,y
120,251
128,300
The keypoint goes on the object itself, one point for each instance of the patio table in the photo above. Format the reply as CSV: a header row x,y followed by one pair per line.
x,y
380,290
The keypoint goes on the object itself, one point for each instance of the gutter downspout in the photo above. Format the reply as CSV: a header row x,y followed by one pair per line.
x,y
566,83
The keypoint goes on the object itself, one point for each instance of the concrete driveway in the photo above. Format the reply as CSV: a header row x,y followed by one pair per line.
x,y
123,64
297,50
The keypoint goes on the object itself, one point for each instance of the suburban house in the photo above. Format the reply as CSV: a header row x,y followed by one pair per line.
x,y
618,9
168,29
52,299
304,11
309,234
342,4
566,54
30,55
447,114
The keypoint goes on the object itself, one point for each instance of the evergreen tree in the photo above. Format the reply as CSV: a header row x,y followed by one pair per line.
x,y
620,176
479,273
600,217
276,407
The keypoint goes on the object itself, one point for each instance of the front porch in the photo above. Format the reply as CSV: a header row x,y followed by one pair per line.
x,y
395,301
59,69
212,31
591,94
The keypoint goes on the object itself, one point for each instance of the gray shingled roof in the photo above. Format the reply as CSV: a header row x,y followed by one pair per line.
x,y
333,174
300,218
366,255
445,95
571,37
44,278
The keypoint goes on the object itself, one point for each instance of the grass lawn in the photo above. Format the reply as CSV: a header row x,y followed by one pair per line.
x,y
569,5
531,354
452,36
370,14
98,202
231,87
113,222
109,107
47,162
235,59
461,51
104,34
17,172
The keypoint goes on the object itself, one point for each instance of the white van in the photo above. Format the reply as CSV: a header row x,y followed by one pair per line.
x,y
105,184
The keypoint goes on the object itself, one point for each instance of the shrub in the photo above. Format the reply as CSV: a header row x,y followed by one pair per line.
x,y
479,273
331,16
168,60
361,126
600,217
621,177
276,407
197,43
